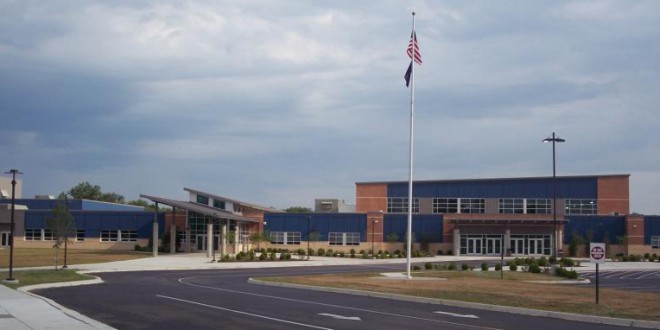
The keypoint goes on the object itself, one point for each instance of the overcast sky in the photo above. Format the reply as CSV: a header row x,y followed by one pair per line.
x,y
280,102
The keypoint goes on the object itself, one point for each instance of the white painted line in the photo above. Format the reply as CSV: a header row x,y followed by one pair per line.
x,y
620,274
340,317
468,316
307,302
649,274
243,313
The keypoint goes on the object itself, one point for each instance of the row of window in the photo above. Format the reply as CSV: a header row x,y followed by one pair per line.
x,y
655,242
43,234
334,238
506,206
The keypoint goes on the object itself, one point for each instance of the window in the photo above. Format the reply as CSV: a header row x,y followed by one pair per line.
x,y
655,242
336,238
400,205
282,237
512,206
445,205
580,206
80,235
48,235
109,236
128,235
181,236
32,234
219,204
539,206
202,200
473,205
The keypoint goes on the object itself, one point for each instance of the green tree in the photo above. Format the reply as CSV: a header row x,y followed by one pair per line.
x,y
62,226
84,190
113,197
392,237
298,209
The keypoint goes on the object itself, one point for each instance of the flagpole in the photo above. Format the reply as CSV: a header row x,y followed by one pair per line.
x,y
410,168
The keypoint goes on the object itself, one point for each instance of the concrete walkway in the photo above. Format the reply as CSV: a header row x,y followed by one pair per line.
x,y
20,309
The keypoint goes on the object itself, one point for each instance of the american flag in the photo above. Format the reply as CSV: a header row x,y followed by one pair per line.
x,y
412,45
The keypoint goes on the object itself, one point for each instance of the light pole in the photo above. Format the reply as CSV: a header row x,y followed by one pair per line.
x,y
554,139
66,232
213,236
308,237
373,237
13,173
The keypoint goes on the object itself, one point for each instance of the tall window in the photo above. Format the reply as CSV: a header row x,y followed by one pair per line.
x,y
539,206
48,235
473,205
445,205
400,205
80,235
580,206
32,234
512,206
655,242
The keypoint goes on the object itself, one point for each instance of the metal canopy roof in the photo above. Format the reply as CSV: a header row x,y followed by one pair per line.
x,y
199,208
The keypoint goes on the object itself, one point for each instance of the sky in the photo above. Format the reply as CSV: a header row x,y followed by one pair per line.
x,y
281,102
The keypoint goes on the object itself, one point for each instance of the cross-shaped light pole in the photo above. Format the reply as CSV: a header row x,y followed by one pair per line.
x,y
554,139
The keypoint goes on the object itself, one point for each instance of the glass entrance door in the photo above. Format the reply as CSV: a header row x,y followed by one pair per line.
x,y
474,246
536,246
201,242
494,246
518,246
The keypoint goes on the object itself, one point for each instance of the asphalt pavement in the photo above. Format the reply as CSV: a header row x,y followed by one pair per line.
x,y
20,309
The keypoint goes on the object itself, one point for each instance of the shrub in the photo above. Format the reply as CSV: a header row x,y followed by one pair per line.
x,y
484,266
452,266
428,266
262,256
513,267
449,252
273,256
320,252
534,269
301,252
352,251
397,252
365,256
342,254
543,262
363,251
553,260
566,262
440,252
498,266
647,256
310,251
464,267
416,268
287,256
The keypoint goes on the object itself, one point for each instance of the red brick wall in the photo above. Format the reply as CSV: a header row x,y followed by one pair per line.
x,y
370,197
635,229
613,195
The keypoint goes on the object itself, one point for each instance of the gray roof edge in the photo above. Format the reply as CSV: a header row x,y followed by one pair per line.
x,y
256,206
200,208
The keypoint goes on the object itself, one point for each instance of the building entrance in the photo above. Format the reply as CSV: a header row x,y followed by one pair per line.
x,y
474,246
5,238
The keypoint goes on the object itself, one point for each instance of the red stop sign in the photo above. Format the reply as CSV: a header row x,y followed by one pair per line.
x,y
597,253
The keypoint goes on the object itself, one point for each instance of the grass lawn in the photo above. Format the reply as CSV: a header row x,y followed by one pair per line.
x,y
31,277
488,288
46,257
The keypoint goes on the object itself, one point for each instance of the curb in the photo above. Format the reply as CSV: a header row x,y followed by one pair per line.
x,y
494,308
69,312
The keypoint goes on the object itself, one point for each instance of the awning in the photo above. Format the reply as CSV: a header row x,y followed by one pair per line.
x,y
199,208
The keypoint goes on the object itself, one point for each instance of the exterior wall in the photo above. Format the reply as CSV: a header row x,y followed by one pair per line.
x,y
604,229
635,229
5,185
651,228
320,222
426,228
88,244
613,195
370,197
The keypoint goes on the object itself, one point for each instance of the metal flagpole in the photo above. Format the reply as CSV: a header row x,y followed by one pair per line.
x,y
410,169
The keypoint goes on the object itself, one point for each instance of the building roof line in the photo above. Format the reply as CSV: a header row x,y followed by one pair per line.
x,y
499,179
254,206
198,208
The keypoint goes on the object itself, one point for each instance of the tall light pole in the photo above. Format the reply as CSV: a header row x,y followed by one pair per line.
x,y
13,173
213,236
373,237
554,139
66,232
308,233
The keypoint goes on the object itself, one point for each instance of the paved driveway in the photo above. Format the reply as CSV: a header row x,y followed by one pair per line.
x,y
629,280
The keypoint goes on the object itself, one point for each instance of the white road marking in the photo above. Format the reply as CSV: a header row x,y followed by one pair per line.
x,y
241,312
468,316
182,281
339,317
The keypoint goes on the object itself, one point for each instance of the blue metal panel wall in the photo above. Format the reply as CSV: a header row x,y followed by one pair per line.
x,y
321,222
95,221
651,227
600,226
90,205
47,204
583,187
425,227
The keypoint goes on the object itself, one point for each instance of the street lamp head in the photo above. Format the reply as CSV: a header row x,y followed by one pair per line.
x,y
14,172
553,138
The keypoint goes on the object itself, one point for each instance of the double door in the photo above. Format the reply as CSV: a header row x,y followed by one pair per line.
x,y
480,246
535,246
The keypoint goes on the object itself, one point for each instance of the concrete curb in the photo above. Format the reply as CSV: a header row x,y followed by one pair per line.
x,y
495,308
71,313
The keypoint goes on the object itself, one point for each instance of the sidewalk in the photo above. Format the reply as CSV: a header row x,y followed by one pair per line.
x,y
23,310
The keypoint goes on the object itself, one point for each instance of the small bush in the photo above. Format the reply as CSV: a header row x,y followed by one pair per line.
x,y
484,266
428,266
513,267
363,251
452,266
566,262
449,252
365,256
543,262
440,252
416,268
273,256
262,257
301,252
553,260
342,254
465,267
352,251
534,269
320,252
498,266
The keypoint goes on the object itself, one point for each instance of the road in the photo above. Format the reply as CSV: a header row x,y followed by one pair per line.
x,y
213,299
630,280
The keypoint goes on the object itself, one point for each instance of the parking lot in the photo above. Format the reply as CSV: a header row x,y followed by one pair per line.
x,y
632,280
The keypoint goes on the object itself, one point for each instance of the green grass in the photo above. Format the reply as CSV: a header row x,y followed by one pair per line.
x,y
32,277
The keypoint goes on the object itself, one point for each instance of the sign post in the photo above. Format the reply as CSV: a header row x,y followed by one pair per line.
x,y
597,256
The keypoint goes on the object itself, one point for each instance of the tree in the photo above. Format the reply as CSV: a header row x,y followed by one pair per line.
x,y
86,190
62,226
298,209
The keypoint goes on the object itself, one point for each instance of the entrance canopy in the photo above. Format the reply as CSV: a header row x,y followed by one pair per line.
x,y
199,208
